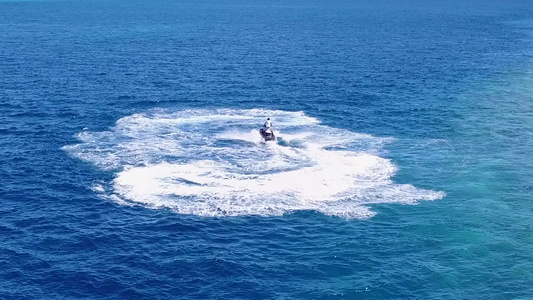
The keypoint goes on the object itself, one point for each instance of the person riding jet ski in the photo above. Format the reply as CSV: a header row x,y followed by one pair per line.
x,y
266,131
267,124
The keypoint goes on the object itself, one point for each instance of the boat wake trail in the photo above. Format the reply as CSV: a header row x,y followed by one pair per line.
x,y
210,163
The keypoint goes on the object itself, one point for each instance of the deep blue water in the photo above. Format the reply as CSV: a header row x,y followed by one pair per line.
x,y
130,166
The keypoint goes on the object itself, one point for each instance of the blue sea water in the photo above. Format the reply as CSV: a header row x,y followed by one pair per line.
x,y
130,165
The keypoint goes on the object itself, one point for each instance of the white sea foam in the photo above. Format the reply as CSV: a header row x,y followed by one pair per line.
x,y
211,163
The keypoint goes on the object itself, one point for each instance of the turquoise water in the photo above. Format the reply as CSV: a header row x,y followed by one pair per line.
x,y
131,167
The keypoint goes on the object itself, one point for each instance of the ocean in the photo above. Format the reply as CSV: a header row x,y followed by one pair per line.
x,y
131,166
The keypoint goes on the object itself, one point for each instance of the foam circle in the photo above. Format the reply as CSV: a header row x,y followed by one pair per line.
x,y
213,163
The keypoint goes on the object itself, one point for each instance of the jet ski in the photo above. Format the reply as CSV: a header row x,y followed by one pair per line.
x,y
267,134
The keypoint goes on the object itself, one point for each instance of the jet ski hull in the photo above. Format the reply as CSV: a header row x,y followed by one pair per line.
x,y
267,135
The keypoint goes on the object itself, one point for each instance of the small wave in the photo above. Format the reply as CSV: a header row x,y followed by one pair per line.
x,y
210,163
